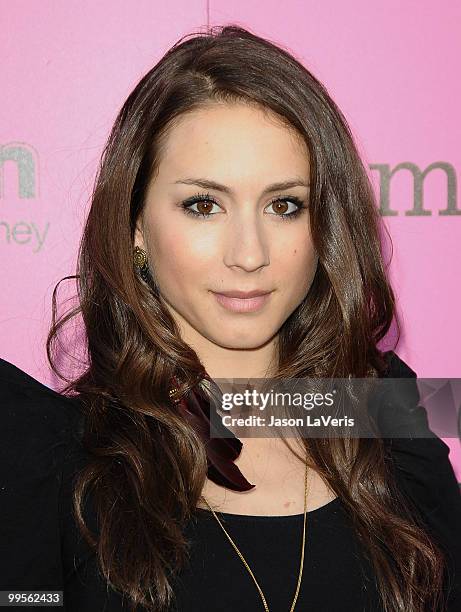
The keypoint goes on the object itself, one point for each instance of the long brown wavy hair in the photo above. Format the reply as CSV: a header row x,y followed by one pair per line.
x,y
147,466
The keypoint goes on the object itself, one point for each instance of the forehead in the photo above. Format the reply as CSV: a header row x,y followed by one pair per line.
x,y
233,137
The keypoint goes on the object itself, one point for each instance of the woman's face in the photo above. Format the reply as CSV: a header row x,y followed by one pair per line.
x,y
246,242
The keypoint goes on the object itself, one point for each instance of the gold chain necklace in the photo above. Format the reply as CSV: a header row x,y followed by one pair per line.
x,y
266,607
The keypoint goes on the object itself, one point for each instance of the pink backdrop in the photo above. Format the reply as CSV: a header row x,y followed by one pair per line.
x,y
393,68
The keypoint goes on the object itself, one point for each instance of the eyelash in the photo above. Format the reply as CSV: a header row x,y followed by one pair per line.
x,y
203,197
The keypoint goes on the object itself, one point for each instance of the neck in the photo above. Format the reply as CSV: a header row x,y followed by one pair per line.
x,y
228,363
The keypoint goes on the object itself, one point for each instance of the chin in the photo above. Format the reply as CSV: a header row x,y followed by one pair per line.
x,y
244,341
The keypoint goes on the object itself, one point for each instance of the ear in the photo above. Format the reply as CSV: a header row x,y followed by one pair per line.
x,y
139,233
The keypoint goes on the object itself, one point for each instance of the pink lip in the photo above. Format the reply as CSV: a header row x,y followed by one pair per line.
x,y
237,304
243,294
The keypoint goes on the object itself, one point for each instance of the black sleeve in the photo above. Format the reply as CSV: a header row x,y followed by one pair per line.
x,y
426,477
35,425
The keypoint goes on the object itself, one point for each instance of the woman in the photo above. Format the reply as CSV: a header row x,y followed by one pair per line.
x,y
229,169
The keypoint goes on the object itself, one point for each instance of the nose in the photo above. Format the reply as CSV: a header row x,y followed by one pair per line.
x,y
246,243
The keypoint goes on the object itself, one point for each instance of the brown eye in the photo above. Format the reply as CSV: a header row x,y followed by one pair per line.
x,y
204,207
280,205
205,204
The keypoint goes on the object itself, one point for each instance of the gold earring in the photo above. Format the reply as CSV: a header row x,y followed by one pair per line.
x,y
140,261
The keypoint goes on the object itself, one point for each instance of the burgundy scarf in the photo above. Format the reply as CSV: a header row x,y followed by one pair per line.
x,y
221,452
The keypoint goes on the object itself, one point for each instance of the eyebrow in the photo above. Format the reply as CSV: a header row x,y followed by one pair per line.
x,y
208,184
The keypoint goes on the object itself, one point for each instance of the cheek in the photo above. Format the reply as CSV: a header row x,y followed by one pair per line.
x,y
294,247
297,266
178,261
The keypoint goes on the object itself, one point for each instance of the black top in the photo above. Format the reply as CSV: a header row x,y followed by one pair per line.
x,y
40,547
